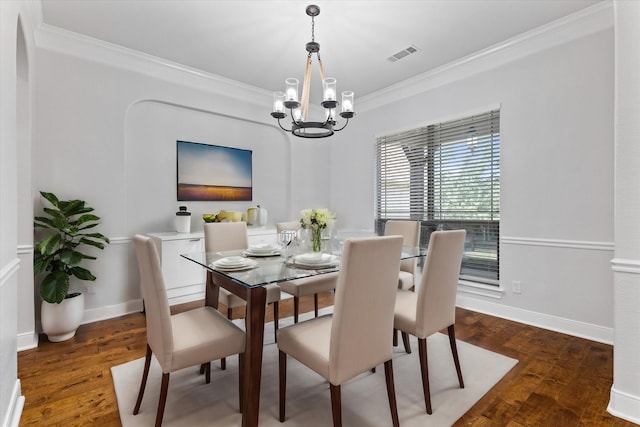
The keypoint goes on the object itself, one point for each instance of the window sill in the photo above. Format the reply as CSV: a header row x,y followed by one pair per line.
x,y
475,288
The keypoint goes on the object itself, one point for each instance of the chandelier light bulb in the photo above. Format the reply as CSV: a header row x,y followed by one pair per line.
x,y
278,102
347,101
329,85
291,88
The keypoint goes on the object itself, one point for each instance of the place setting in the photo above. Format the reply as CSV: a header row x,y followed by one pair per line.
x,y
234,263
262,250
315,260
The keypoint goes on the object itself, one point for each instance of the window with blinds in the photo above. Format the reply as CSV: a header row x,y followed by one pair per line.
x,y
447,176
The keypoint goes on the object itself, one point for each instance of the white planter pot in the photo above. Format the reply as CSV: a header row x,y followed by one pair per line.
x,y
60,321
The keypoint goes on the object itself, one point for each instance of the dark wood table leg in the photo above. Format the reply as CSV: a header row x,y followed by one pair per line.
x,y
256,302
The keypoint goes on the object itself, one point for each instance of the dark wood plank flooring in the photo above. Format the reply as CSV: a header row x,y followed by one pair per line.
x,y
559,381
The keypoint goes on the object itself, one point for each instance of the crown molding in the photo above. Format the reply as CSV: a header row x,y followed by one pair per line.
x,y
588,21
66,42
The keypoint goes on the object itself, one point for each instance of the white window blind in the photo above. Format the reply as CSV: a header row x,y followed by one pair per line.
x,y
447,175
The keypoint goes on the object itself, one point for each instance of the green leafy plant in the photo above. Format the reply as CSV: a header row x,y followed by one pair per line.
x,y
58,253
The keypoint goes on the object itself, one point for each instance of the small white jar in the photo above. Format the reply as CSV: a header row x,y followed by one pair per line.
x,y
183,220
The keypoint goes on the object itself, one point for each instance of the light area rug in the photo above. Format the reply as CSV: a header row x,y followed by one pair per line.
x,y
191,402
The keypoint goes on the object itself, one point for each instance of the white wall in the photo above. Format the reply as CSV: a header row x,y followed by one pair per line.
x,y
15,61
625,392
556,175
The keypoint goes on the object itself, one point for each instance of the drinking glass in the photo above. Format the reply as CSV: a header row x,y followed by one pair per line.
x,y
286,239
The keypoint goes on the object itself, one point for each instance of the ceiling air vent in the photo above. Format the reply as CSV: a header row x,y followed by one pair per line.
x,y
402,54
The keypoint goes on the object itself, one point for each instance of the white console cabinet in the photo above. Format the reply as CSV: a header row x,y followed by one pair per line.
x,y
184,279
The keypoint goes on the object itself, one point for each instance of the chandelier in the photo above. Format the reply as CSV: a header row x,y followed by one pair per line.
x,y
298,109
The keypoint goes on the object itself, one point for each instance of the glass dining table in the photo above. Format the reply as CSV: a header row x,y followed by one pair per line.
x,y
248,283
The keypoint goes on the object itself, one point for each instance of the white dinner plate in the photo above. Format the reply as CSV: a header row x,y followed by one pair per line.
x,y
316,260
250,252
247,264
232,261
263,248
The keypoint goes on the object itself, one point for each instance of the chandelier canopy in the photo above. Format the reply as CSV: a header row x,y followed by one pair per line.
x,y
299,108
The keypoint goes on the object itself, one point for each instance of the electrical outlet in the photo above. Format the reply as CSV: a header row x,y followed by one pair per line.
x,y
515,287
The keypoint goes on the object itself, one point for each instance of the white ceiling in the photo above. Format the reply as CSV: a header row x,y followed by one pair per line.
x,y
261,42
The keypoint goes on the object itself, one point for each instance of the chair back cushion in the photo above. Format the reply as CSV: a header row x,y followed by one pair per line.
x,y
156,304
410,231
436,307
362,326
289,226
225,236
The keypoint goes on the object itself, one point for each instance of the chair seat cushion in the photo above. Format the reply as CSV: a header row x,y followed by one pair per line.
x,y
201,335
405,312
230,300
405,280
310,285
308,341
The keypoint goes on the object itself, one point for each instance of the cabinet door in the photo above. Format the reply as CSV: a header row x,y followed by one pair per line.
x,y
179,272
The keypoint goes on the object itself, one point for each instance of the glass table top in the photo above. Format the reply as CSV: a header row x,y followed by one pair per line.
x,y
253,271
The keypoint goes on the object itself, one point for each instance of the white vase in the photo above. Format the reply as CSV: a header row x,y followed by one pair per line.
x,y
60,321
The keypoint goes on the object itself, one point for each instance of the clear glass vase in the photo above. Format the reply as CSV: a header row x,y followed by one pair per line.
x,y
316,239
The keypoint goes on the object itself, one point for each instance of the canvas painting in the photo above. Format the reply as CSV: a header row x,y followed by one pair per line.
x,y
213,173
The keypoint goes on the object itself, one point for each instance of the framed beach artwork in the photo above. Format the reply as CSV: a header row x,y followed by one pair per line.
x,y
213,172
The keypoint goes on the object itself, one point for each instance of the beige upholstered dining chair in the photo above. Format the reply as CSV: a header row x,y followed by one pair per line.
x,y
433,307
229,236
312,285
352,340
191,338
410,231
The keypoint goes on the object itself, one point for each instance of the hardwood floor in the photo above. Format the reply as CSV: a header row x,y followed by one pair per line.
x,y
559,381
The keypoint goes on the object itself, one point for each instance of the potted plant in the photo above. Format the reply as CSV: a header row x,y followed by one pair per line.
x,y
58,256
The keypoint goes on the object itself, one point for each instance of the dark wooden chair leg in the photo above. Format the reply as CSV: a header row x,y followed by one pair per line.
x,y
282,369
424,368
275,320
395,337
163,398
143,383
315,304
391,392
454,350
336,405
202,368
296,307
241,363
207,372
223,361
405,341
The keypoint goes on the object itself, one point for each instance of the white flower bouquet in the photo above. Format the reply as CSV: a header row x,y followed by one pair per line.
x,y
316,220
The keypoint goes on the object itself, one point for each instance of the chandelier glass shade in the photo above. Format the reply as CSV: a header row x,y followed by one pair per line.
x,y
299,106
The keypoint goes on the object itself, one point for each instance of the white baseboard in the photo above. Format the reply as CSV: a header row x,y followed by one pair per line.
x,y
541,320
108,312
624,405
16,404
27,341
